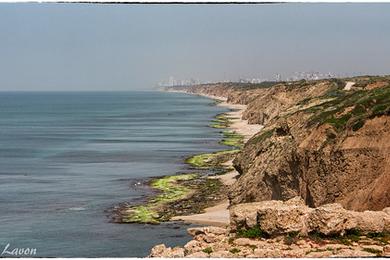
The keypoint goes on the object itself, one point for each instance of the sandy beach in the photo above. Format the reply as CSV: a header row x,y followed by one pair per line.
x,y
218,215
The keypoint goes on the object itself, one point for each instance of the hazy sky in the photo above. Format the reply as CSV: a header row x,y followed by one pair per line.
x,y
124,47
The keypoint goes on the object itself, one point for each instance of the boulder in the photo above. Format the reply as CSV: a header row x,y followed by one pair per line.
x,y
272,217
331,219
285,218
371,221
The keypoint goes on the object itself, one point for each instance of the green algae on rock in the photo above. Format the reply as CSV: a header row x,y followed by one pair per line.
x,y
171,190
221,121
211,160
232,138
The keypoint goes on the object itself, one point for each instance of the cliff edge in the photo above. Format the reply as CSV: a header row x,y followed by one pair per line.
x,y
326,141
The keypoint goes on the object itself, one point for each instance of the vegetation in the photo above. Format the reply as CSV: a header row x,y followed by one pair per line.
x,y
265,134
372,251
350,109
210,160
234,250
231,138
208,250
221,121
254,232
383,237
171,190
291,238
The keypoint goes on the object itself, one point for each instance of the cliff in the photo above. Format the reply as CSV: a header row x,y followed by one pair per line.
x,y
325,141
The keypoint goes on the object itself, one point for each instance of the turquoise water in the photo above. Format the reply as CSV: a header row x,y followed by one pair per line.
x,y
66,158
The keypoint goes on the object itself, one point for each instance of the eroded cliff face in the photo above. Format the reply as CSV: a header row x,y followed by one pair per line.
x,y
321,142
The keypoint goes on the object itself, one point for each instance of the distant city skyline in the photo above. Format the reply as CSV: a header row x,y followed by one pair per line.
x,y
299,75
125,47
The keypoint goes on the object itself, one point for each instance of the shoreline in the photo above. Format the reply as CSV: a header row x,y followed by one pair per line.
x,y
193,198
218,215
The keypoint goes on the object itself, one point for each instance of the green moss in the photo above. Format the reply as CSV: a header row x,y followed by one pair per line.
x,y
208,250
231,138
207,160
171,191
221,121
142,214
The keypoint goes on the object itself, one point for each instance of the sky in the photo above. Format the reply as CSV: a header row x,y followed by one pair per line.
x,y
132,47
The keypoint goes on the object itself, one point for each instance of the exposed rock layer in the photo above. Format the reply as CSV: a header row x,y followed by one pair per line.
x,y
278,217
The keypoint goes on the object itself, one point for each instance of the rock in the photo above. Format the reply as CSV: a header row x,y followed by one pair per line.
x,y
272,217
221,254
371,221
176,252
374,248
244,215
245,242
352,253
298,253
317,254
216,230
386,210
163,251
206,230
199,254
278,217
158,250
331,219
386,250
210,238
193,246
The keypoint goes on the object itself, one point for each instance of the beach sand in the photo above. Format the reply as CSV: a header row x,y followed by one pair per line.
x,y
218,215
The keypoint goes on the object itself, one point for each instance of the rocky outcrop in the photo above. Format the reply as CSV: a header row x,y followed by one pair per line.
x,y
289,229
278,217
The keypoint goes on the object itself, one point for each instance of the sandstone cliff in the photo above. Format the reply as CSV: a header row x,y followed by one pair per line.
x,y
322,141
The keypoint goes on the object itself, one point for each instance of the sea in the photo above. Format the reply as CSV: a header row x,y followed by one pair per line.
x,y
67,158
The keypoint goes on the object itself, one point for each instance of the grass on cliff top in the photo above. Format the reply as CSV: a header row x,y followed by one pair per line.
x,y
232,138
350,109
171,190
209,160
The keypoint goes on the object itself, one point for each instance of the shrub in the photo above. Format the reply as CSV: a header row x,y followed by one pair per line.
x,y
234,250
254,232
208,250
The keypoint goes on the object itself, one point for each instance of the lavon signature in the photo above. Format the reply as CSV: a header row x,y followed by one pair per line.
x,y
15,251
